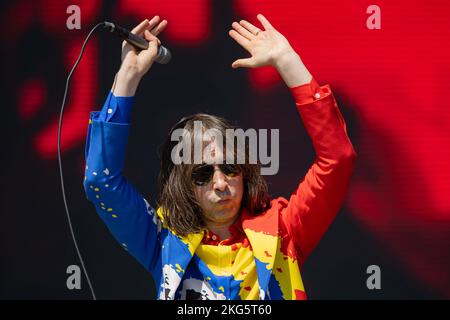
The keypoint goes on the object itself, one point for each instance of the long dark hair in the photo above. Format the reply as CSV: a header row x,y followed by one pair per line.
x,y
180,208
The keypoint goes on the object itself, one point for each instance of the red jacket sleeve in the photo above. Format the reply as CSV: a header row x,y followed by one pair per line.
x,y
315,203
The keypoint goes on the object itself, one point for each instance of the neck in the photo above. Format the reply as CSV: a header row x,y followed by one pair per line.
x,y
221,228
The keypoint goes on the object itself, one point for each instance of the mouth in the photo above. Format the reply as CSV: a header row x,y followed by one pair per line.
x,y
223,201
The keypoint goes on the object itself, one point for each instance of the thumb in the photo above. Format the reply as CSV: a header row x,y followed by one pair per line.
x,y
242,63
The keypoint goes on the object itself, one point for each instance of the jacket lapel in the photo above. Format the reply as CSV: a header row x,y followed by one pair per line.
x,y
262,233
177,252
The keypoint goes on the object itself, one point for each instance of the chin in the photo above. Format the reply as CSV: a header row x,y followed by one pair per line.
x,y
224,214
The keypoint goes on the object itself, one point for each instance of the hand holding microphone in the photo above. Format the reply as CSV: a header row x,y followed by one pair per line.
x,y
141,46
138,42
136,61
135,64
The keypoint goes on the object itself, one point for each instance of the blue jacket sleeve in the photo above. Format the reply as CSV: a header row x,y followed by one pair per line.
x,y
116,109
129,217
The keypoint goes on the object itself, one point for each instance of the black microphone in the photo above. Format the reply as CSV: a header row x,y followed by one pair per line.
x,y
138,42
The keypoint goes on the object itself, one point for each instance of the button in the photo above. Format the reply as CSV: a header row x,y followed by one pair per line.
x,y
109,110
214,237
317,95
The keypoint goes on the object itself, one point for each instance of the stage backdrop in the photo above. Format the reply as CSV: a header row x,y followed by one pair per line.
x,y
390,83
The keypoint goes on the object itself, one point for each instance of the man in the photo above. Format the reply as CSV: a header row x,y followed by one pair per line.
x,y
216,233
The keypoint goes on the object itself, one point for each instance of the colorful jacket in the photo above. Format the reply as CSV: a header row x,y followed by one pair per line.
x,y
281,238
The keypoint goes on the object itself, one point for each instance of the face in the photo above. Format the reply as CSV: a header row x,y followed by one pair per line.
x,y
219,196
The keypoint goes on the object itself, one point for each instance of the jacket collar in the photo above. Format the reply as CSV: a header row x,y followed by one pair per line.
x,y
262,233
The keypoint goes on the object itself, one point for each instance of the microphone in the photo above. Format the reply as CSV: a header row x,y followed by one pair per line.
x,y
138,42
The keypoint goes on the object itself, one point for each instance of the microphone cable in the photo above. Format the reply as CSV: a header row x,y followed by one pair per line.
x,y
60,160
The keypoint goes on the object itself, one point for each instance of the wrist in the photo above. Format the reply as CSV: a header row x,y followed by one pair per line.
x,y
127,82
130,73
286,60
291,68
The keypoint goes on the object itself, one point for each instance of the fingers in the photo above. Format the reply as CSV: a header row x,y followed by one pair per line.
x,y
266,24
143,29
153,43
250,27
244,42
154,25
140,28
242,63
150,37
153,22
242,31
159,28
246,34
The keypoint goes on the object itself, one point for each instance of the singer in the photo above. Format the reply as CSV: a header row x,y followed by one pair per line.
x,y
216,233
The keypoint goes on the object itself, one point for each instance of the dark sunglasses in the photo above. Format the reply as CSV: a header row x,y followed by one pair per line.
x,y
203,174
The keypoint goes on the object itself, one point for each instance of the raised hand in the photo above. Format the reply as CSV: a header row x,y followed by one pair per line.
x,y
268,47
265,46
136,63
141,60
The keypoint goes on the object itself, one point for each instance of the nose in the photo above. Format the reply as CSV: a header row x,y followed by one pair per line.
x,y
219,180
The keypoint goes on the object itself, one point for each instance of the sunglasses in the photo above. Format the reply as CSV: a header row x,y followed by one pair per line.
x,y
203,174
